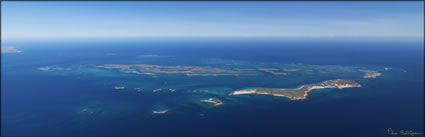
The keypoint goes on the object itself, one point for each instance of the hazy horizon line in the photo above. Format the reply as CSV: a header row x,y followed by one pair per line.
x,y
230,37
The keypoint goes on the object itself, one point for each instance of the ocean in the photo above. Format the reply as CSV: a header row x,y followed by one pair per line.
x,y
76,98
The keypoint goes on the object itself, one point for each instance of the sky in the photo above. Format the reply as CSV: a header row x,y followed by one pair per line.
x,y
25,20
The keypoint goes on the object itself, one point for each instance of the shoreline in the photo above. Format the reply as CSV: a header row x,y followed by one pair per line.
x,y
216,102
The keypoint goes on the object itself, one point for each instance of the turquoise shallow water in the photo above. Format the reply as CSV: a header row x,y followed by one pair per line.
x,y
76,98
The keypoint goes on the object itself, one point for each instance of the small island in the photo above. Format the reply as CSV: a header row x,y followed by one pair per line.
x,y
213,100
44,68
152,70
119,87
370,73
160,111
273,71
301,92
156,90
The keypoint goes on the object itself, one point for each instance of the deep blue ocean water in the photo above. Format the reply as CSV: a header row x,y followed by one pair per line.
x,y
39,103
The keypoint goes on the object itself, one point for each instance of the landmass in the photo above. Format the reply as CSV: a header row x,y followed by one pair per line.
x,y
50,68
44,68
213,100
146,69
156,90
301,92
160,111
293,94
119,87
272,71
370,74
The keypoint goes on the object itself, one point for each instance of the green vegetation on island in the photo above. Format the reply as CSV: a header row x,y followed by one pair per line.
x,y
301,92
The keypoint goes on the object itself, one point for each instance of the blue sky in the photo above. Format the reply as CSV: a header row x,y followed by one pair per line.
x,y
23,20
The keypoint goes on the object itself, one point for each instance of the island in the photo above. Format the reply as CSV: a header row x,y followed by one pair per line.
x,y
213,100
370,74
147,69
156,90
51,68
44,68
273,71
119,87
160,111
301,92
